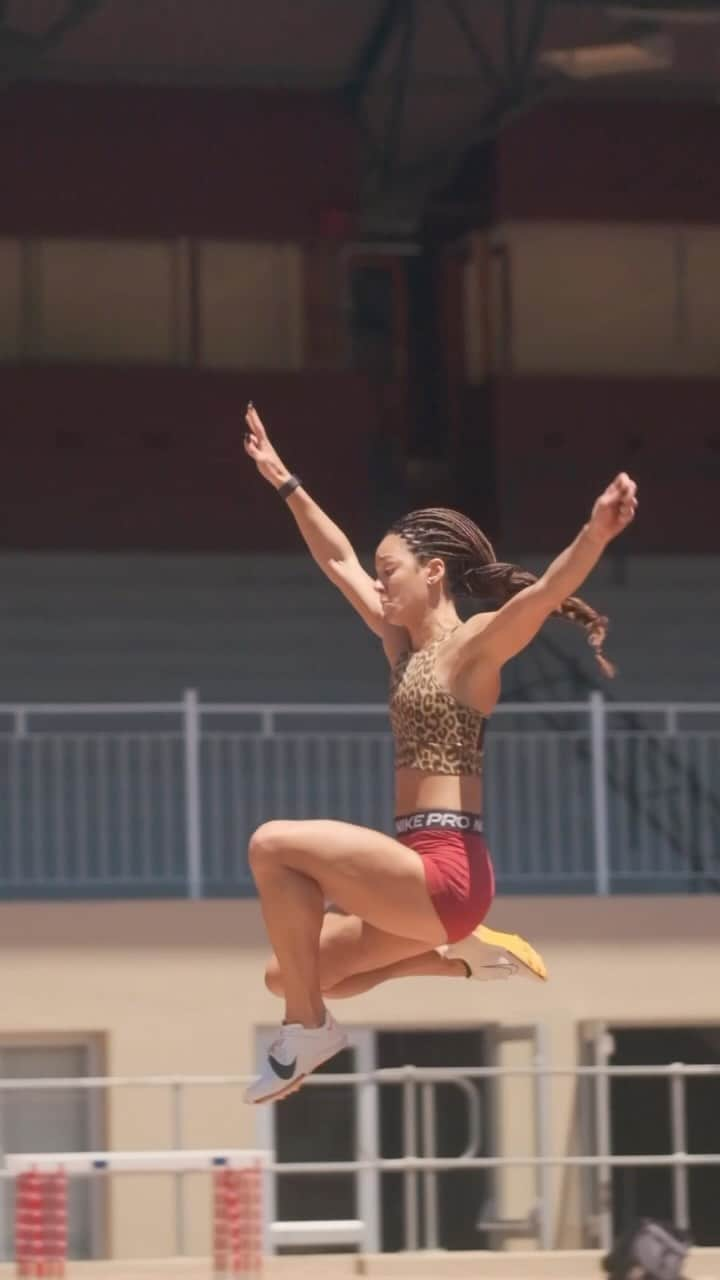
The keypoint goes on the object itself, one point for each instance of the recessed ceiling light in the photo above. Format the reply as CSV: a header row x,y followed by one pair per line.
x,y
623,57
665,13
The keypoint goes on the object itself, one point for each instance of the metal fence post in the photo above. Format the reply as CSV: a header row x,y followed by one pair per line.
x,y
430,1177
191,718
598,757
678,1120
178,1143
543,1139
410,1177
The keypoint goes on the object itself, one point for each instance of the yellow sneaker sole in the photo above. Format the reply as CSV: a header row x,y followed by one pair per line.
x,y
517,947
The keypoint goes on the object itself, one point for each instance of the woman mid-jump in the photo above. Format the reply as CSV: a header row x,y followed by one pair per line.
x,y
409,905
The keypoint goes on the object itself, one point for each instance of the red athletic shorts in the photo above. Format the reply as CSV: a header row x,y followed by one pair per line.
x,y
458,868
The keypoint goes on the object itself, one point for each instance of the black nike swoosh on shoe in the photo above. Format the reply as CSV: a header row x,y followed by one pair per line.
x,y
285,1070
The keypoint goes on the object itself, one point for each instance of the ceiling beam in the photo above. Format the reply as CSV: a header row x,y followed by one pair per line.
x,y
403,69
533,37
19,49
488,70
370,55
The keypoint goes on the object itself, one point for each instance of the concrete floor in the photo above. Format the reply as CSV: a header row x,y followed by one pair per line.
x,y
703,1264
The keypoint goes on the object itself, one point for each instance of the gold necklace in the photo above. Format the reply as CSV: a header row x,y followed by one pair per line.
x,y
437,639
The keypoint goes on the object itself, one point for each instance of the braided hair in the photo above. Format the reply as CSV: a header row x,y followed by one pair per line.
x,y
473,569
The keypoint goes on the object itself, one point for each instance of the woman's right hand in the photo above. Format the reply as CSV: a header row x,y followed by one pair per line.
x,y
615,508
259,448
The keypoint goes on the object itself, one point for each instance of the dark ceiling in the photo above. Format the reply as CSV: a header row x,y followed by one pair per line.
x,y
427,79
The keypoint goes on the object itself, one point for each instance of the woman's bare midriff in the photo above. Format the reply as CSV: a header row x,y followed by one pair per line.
x,y
415,790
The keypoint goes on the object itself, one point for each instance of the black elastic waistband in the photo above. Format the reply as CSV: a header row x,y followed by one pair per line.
x,y
439,820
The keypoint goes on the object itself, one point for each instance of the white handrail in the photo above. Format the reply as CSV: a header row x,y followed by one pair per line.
x,y
337,708
399,1164
174,1159
382,1075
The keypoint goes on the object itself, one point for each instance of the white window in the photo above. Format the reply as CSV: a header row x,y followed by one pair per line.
x,y
104,300
45,1120
250,305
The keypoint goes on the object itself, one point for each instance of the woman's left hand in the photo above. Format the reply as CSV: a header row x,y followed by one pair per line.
x,y
615,508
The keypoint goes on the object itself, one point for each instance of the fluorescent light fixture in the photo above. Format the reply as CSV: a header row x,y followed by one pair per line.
x,y
664,13
624,57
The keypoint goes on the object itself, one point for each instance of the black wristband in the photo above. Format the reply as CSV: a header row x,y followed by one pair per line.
x,y
289,487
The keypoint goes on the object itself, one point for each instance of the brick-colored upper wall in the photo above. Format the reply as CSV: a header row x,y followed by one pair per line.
x,y
611,161
145,161
112,459
559,440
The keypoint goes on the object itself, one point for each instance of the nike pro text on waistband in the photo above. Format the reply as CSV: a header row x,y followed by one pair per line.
x,y
439,820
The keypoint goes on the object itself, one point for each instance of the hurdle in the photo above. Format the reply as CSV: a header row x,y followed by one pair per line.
x,y
41,1204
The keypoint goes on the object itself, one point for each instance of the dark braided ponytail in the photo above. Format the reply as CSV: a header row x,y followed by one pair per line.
x,y
473,570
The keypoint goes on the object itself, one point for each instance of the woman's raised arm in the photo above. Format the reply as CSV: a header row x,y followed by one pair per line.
x,y
331,550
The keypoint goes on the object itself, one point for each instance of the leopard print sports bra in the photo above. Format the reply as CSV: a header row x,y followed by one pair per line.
x,y
432,730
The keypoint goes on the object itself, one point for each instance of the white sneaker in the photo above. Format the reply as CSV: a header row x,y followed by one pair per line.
x,y
491,955
292,1056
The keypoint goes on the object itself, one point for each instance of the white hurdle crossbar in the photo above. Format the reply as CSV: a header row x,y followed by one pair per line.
x,y
79,1163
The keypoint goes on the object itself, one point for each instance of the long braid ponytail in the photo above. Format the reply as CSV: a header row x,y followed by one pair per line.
x,y
473,569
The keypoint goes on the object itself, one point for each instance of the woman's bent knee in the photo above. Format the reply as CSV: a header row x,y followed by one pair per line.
x,y
267,841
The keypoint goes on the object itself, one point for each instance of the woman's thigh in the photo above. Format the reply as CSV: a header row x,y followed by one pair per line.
x,y
366,873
